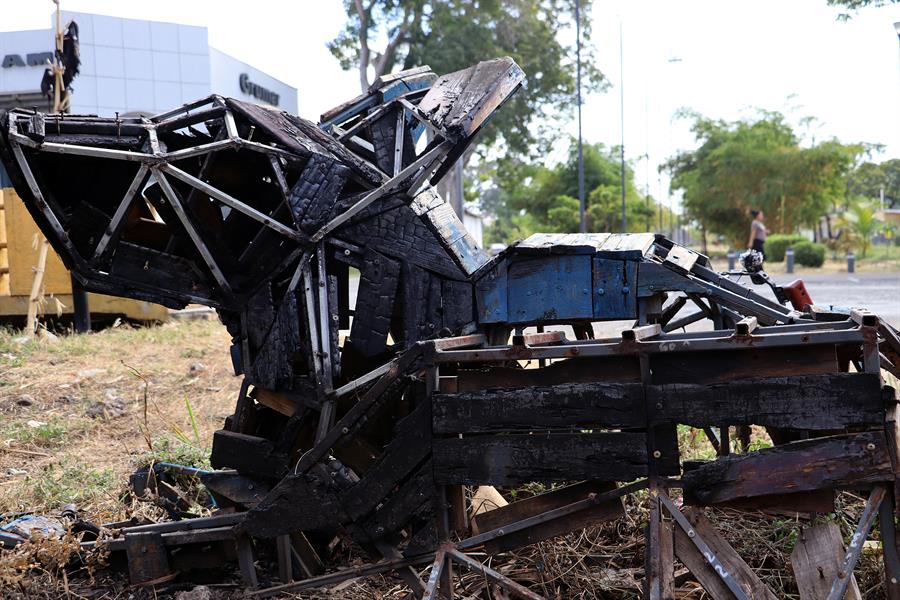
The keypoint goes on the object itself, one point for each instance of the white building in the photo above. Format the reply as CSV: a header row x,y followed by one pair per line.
x,y
129,65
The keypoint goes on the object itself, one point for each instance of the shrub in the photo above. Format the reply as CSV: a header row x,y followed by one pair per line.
x,y
776,245
809,254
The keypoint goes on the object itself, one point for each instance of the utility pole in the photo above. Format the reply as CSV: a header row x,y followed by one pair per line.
x,y
622,122
582,227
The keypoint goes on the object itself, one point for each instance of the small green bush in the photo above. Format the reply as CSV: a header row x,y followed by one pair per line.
x,y
776,245
809,254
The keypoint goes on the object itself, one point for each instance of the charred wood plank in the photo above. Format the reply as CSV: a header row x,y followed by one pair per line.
x,y
621,369
546,407
409,446
298,502
378,283
514,459
711,367
403,506
815,402
564,405
822,463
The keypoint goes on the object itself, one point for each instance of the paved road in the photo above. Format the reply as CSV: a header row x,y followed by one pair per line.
x,y
879,292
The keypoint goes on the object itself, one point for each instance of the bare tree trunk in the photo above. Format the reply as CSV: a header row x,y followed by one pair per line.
x,y
363,46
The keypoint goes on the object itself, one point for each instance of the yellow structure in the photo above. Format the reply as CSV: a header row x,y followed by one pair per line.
x,y
19,256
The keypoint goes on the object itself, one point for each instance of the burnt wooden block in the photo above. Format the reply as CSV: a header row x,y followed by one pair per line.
x,y
816,402
247,454
515,459
545,407
837,461
299,502
375,304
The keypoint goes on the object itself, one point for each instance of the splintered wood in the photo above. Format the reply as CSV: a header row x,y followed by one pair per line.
x,y
396,418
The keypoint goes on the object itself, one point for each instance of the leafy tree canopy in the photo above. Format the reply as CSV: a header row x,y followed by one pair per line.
x,y
869,179
855,5
449,35
531,197
758,164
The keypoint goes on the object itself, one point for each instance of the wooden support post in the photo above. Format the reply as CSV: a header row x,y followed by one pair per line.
x,y
815,561
459,518
244,547
889,541
37,283
285,564
659,560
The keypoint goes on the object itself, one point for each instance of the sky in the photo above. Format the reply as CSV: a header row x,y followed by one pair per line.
x,y
723,58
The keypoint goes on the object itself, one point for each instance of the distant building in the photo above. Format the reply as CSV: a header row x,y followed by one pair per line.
x,y
130,65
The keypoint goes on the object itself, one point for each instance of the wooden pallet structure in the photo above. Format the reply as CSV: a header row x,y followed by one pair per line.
x,y
456,373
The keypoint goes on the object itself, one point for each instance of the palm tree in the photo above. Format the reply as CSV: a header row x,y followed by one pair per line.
x,y
861,223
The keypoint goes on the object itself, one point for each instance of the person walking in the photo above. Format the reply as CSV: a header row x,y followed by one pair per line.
x,y
757,232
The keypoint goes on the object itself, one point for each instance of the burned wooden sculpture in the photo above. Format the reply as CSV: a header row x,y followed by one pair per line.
x,y
373,434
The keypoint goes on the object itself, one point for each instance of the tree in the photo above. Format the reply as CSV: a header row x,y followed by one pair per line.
x,y
860,224
758,164
525,197
449,35
855,5
869,179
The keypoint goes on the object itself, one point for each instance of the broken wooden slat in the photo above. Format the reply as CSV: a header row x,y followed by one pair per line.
x,y
829,462
729,566
516,511
816,560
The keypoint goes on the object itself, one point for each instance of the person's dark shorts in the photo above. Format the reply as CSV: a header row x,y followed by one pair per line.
x,y
759,246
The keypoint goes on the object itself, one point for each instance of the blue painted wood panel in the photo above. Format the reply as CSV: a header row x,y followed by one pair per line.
x,y
549,288
490,295
615,288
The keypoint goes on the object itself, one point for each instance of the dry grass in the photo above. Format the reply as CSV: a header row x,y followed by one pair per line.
x,y
52,452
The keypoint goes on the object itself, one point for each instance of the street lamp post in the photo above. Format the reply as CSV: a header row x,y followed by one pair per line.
x,y
582,226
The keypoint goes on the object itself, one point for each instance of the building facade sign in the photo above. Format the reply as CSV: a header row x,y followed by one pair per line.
x,y
32,59
257,91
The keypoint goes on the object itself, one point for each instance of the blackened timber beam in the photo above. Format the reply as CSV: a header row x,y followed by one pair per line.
x,y
515,459
815,402
563,406
850,460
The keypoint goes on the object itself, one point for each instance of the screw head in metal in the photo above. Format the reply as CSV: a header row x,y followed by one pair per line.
x,y
691,533
870,446
657,454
